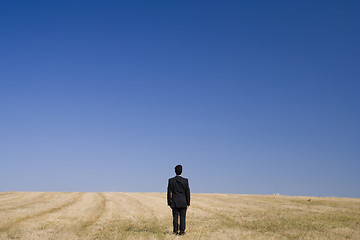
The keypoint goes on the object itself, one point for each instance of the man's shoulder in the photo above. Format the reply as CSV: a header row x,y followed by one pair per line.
x,y
184,178
178,177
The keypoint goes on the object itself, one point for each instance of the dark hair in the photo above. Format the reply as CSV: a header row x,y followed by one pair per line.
x,y
178,169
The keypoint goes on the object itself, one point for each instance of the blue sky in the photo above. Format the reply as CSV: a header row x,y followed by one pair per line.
x,y
253,97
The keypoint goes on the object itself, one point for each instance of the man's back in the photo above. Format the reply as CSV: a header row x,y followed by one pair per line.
x,y
178,194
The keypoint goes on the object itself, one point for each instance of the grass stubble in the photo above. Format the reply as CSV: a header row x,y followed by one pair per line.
x,y
113,215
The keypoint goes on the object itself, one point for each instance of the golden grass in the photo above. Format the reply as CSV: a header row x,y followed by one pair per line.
x,y
55,215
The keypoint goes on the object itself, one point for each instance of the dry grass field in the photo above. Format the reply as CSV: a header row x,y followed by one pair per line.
x,y
57,215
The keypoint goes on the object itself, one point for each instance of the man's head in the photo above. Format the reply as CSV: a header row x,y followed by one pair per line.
x,y
178,170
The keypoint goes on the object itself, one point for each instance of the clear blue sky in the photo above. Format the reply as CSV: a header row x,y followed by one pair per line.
x,y
254,97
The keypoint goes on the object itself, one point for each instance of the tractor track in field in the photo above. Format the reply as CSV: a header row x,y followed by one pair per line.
x,y
12,198
31,202
7,193
99,212
9,225
138,203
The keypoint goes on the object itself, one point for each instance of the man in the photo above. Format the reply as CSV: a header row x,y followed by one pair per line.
x,y
178,197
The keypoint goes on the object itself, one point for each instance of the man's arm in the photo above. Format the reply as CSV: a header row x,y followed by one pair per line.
x,y
169,194
187,194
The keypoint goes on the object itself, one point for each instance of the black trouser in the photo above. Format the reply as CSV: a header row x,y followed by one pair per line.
x,y
176,213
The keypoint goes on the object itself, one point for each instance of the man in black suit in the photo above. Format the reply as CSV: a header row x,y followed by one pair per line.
x,y
178,197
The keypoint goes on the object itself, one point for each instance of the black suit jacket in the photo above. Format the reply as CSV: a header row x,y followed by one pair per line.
x,y
178,192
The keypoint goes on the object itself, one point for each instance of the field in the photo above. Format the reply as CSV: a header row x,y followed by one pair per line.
x,y
108,215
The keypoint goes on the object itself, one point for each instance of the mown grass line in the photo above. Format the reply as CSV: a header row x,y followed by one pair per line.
x,y
139,204
299,223
136,228
9,225
33,201
13,198
99,212
142,205
218,220
139,227
7,193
